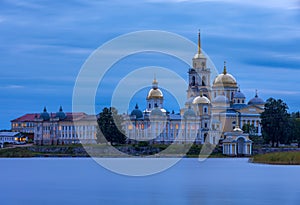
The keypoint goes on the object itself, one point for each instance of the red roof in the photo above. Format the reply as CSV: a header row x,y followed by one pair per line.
x,y
27,117
32,116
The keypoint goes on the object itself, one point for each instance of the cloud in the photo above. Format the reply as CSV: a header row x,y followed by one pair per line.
x,y
287,4
12,87
58,48
25,4
2,19
279,92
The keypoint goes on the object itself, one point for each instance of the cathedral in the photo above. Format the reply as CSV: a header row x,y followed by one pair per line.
x,y
214,112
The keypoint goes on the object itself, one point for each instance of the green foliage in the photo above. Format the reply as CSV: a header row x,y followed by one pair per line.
x,y
257,140
287,158
110,127
250,129
295,129
16,152
143,144
194,150
275,122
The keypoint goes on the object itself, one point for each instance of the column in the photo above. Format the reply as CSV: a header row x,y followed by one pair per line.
x,y
235,149
259,128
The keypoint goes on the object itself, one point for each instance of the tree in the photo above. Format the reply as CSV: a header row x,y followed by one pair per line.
x,y
295,130
110,127
275,122
250,129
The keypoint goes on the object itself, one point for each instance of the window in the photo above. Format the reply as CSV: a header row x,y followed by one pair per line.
x,y
205,110
205,125
193,80
149,105
203,81
238,101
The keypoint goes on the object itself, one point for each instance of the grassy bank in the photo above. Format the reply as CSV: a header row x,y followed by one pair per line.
x,y
42,151
103,150
283,158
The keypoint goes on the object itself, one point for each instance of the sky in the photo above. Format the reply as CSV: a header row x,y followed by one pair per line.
x,y
44,44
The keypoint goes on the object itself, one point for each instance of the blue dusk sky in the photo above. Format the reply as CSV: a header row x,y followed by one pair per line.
x,y
44,43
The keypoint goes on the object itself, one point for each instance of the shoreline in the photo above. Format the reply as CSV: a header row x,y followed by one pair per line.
x,y
133,151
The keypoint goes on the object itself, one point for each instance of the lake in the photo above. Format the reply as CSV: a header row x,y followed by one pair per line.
x,y
75,181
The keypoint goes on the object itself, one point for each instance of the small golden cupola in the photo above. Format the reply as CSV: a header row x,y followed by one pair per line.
x,y
225,79
155,92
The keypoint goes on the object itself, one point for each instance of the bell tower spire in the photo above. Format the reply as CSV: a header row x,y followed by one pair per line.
x,y
225,69
199,74
199,42
154,82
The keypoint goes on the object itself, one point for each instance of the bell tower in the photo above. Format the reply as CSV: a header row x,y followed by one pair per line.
x,y
199,75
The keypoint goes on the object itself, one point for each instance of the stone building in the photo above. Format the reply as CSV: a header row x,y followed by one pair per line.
x,y
211,112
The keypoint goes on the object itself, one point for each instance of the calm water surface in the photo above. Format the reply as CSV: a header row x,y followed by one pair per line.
x,y
213,182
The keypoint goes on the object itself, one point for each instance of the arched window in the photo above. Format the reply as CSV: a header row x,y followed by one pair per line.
x,y
238,101
205,136
149,105
193,80
203,81
205,110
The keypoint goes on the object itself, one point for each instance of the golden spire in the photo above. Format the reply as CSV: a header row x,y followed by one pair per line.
x,y
154,82
199,43
225,70
154,79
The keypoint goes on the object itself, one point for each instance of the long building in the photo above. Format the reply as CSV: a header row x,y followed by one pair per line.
x,y
58,128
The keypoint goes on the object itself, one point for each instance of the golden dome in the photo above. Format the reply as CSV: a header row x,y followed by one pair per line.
x,y
155,93
225,79
201,100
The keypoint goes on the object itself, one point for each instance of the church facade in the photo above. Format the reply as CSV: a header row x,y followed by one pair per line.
x,y
213,112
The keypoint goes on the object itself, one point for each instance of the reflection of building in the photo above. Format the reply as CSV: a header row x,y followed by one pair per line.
x,y
60,127
209,114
